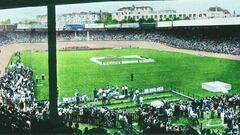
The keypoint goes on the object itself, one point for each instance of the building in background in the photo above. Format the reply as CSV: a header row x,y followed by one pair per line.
x,y
217,12
75,18
147,12
42,19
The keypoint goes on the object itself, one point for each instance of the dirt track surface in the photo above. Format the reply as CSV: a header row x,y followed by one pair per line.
x,y
8,50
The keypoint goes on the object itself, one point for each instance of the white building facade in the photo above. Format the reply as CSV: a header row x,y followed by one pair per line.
x,y
148,12
74,18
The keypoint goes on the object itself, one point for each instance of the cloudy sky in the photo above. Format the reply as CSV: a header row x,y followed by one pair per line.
x,y
178,5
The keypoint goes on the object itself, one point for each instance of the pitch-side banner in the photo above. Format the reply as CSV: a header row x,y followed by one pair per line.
x,y
39,26
165,24
94,26
113,26
130,25
23,26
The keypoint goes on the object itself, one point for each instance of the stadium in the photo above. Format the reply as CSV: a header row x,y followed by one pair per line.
x,y
172,77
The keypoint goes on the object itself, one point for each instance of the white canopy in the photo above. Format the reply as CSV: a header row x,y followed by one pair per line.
x,y
157,104
217,86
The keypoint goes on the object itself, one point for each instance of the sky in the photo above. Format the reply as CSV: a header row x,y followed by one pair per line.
x,y
30,13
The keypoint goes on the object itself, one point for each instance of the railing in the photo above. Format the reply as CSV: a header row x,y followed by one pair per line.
x,y
186,94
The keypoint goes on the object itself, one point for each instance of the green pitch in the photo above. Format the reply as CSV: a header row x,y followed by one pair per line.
x,y
76,72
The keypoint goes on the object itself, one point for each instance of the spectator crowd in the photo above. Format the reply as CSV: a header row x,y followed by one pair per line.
x,y
222,107
217,41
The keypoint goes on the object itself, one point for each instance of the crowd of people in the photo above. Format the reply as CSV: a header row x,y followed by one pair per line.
x,y
16,95
10,37
210,40
103,117
222,107
16,85
19,112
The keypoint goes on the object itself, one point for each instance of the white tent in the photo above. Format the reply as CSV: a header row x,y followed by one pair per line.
x,y
217,86
157,104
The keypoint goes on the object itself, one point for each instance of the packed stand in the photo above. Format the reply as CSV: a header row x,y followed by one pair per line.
x,y
19,112
225,41
222,107
9,37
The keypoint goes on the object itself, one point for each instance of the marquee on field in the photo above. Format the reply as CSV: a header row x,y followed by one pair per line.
x,y
114,60
217,86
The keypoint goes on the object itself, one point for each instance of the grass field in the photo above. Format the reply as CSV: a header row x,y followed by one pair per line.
x,y
76,72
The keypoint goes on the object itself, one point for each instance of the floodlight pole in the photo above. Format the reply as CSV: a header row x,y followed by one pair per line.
x,y
52,62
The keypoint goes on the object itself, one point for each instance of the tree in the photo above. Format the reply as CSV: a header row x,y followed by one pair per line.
x,y
107,21
28,22
131,20
99,21
123,21
150,20
6,22
168,19
186,18
176,18
141,20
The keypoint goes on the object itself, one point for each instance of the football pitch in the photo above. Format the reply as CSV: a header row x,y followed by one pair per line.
x,y
76,72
